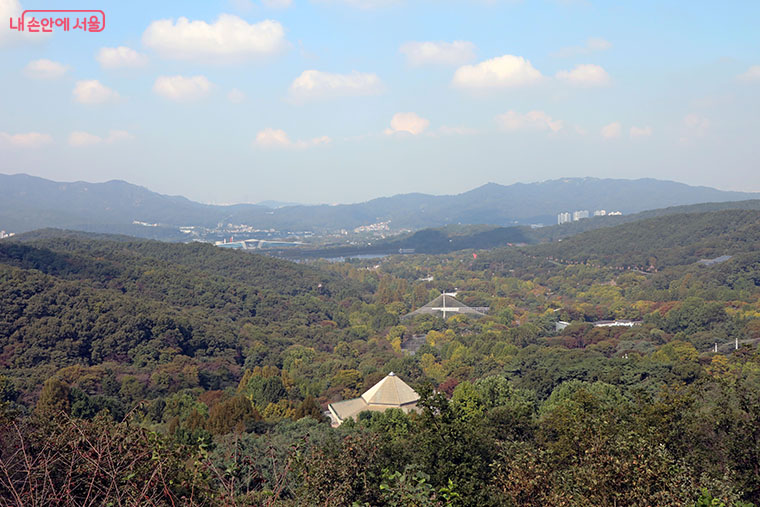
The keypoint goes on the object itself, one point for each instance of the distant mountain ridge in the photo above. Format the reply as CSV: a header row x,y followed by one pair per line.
x,y
30,202
483,237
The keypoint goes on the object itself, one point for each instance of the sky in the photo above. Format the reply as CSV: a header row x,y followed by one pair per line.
x,y
326,101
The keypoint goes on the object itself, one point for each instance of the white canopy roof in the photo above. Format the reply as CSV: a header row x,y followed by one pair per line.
x,y
390,391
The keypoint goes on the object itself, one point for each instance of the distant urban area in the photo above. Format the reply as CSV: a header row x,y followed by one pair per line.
x,y
566,216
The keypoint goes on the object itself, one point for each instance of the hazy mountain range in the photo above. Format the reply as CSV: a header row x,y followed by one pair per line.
x,y
28,202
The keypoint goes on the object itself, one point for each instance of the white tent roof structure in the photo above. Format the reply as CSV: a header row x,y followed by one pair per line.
x,y
446,305
391,392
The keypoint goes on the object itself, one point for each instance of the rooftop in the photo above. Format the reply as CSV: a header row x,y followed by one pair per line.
x,y
391,392
446,304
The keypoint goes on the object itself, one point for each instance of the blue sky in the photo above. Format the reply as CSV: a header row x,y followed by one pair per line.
x,y
345,100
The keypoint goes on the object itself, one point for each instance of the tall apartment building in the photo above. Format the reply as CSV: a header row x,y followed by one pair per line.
x,y
577,215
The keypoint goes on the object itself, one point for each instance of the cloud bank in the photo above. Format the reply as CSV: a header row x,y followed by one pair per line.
x,y
501,72
228,38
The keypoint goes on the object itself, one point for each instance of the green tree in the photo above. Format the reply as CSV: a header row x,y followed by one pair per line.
x,y
54,398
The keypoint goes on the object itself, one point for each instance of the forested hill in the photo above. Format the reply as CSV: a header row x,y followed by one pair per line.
x,y
213,369
662,241
73,301
80,254
555,232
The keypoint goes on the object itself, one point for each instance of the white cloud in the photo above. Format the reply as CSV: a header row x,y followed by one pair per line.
x,y
312,84
26,140
277,4
533,120
440,53
363,4
12,9
410,123
93,92
696,125
585,75
611,131
45,69
122,56
270,137
115,136
9,9
456,131
181,88
598,44
591,45
242,5
503,71
752,74
314,142
635,132
277,138
79,138
236,96
228,38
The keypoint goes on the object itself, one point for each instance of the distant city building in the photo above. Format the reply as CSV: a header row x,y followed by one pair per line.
x,y
144,224
616,323
561,325
577,215
614,213
379,226
566,216
4,234
391,392
256,244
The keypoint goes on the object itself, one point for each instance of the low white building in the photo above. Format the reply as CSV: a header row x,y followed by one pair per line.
x,y
391,392
616,323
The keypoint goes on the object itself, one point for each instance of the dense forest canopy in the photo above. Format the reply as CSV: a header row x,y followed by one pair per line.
x,y
199,375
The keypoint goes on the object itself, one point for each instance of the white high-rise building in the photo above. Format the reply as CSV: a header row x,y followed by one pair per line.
x,y
577,215
563,218
600,213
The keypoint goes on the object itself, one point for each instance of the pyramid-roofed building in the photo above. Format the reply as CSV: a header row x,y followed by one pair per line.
x,y
446,305
391,392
